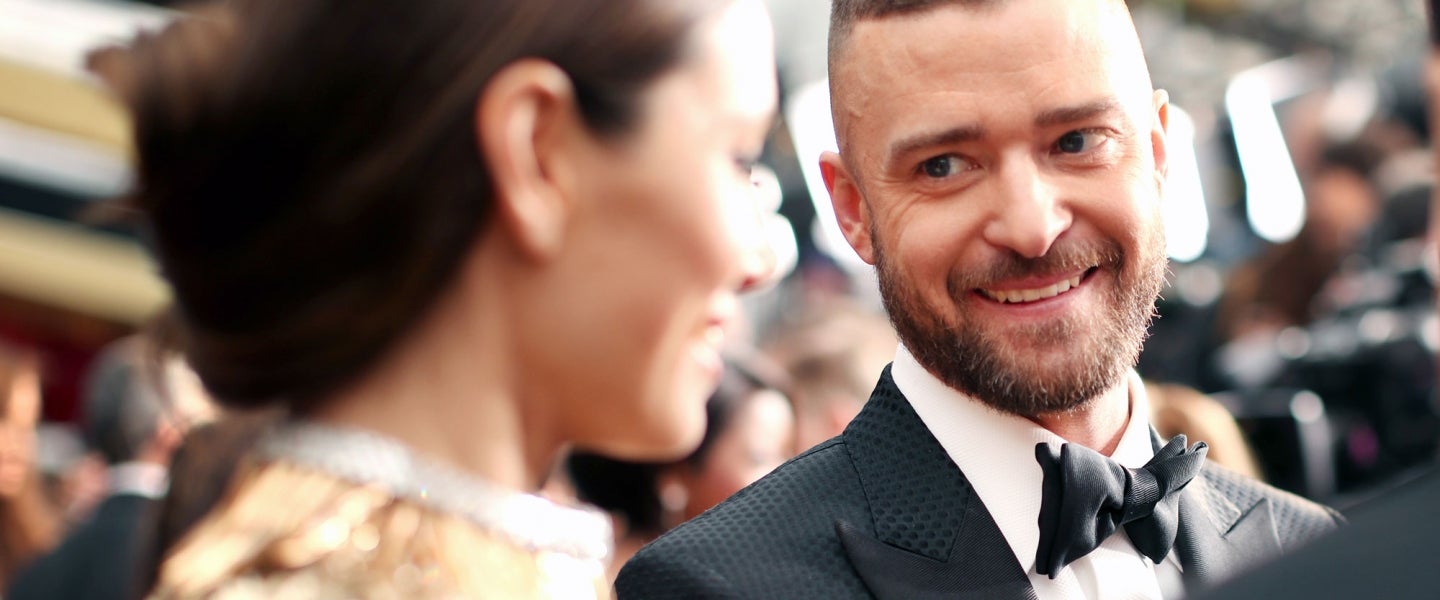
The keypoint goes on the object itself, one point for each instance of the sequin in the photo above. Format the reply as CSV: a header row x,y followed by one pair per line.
x,y
328,513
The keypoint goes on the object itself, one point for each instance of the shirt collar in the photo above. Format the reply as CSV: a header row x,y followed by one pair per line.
x,y
139,479
996,451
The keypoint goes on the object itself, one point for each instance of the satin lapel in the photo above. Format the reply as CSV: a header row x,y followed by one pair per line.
x,y
929,536
1219,539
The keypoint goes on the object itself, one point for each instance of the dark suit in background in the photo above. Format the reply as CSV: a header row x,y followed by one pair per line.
x,y
128,423
97,561
882,511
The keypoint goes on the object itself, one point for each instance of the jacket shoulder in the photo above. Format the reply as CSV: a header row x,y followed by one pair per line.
x,y
774,539
1297,519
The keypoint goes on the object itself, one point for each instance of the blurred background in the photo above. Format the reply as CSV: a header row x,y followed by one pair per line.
x,y
1300,298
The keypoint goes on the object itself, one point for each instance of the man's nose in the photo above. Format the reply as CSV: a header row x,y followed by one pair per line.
x,y
1027,212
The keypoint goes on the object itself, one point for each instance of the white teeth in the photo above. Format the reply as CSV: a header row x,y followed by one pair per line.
x,y
1016,296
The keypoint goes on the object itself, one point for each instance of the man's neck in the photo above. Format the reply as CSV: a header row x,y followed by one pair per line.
x,y
1097,425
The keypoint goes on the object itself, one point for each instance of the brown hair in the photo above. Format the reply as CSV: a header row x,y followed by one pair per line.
x,y
310,172
844,14
29,525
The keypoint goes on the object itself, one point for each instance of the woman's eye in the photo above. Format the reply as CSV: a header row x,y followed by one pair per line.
x,y
1076,142
941,167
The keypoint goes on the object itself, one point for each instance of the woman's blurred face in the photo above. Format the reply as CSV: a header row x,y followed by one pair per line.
x,y
17,432
760,436
665,232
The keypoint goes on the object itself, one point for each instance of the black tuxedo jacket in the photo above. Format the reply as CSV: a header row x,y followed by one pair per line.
x,y
881,511
97,561
1388,551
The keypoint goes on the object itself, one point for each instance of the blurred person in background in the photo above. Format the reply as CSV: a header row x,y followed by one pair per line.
x,y
449,240
1182,410
1390,548
29,525
749,430
75,478
831,349
137,406
1302,314
1282,286
200,471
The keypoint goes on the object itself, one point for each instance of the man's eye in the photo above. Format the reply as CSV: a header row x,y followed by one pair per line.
x,y
941,167
1076,142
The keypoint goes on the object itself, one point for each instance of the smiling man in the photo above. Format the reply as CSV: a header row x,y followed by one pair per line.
x,y
1001,164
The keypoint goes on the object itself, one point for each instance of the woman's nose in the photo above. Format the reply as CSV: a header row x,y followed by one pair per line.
x,y
768,252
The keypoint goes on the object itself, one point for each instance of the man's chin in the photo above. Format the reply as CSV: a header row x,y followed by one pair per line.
x,y
1036,390
1035,409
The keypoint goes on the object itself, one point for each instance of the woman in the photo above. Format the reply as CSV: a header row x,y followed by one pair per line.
x,y
750,430
451,238
29,526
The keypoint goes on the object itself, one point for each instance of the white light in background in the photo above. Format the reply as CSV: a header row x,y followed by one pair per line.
x,y
1275,203
1186,223
808,115
775,232
1352,104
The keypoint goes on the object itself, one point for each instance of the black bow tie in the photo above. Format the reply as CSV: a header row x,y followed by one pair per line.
x,y
1087,497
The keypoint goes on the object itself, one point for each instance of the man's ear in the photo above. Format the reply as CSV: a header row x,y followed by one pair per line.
x,y
522,119
1159,135
850,211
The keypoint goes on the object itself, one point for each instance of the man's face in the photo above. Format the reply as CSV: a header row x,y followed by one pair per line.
x,y
1001,170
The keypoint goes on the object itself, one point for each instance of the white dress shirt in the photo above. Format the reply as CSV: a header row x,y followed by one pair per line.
x,y
996,452
140,479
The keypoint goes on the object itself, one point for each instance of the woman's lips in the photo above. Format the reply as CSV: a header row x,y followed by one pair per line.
x,y
706,351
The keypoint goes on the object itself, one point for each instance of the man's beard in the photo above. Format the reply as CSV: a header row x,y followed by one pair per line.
x,y
1092,349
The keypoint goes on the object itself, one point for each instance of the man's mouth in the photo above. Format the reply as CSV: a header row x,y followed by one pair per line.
x,y
1034,294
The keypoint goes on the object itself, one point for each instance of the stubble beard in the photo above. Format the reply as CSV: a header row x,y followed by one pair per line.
x,y
1033,369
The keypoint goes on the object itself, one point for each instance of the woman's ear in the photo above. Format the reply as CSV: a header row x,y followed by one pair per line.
x,y
522,121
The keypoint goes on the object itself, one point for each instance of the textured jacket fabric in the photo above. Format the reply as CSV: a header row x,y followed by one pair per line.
x,y
881,511
1388,551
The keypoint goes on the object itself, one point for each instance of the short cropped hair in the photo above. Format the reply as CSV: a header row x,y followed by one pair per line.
x,y
123,405
845,13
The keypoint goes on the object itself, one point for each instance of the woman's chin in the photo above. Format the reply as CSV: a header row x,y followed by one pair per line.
x,y
665,442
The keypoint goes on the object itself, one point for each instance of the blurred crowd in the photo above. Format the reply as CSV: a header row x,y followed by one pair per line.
x,y
1306,361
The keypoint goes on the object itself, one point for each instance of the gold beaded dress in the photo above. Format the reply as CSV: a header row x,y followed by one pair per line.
x,y
322,512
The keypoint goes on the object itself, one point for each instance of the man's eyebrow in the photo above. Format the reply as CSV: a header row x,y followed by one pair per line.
x,y
1071,114
968,133
905,146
